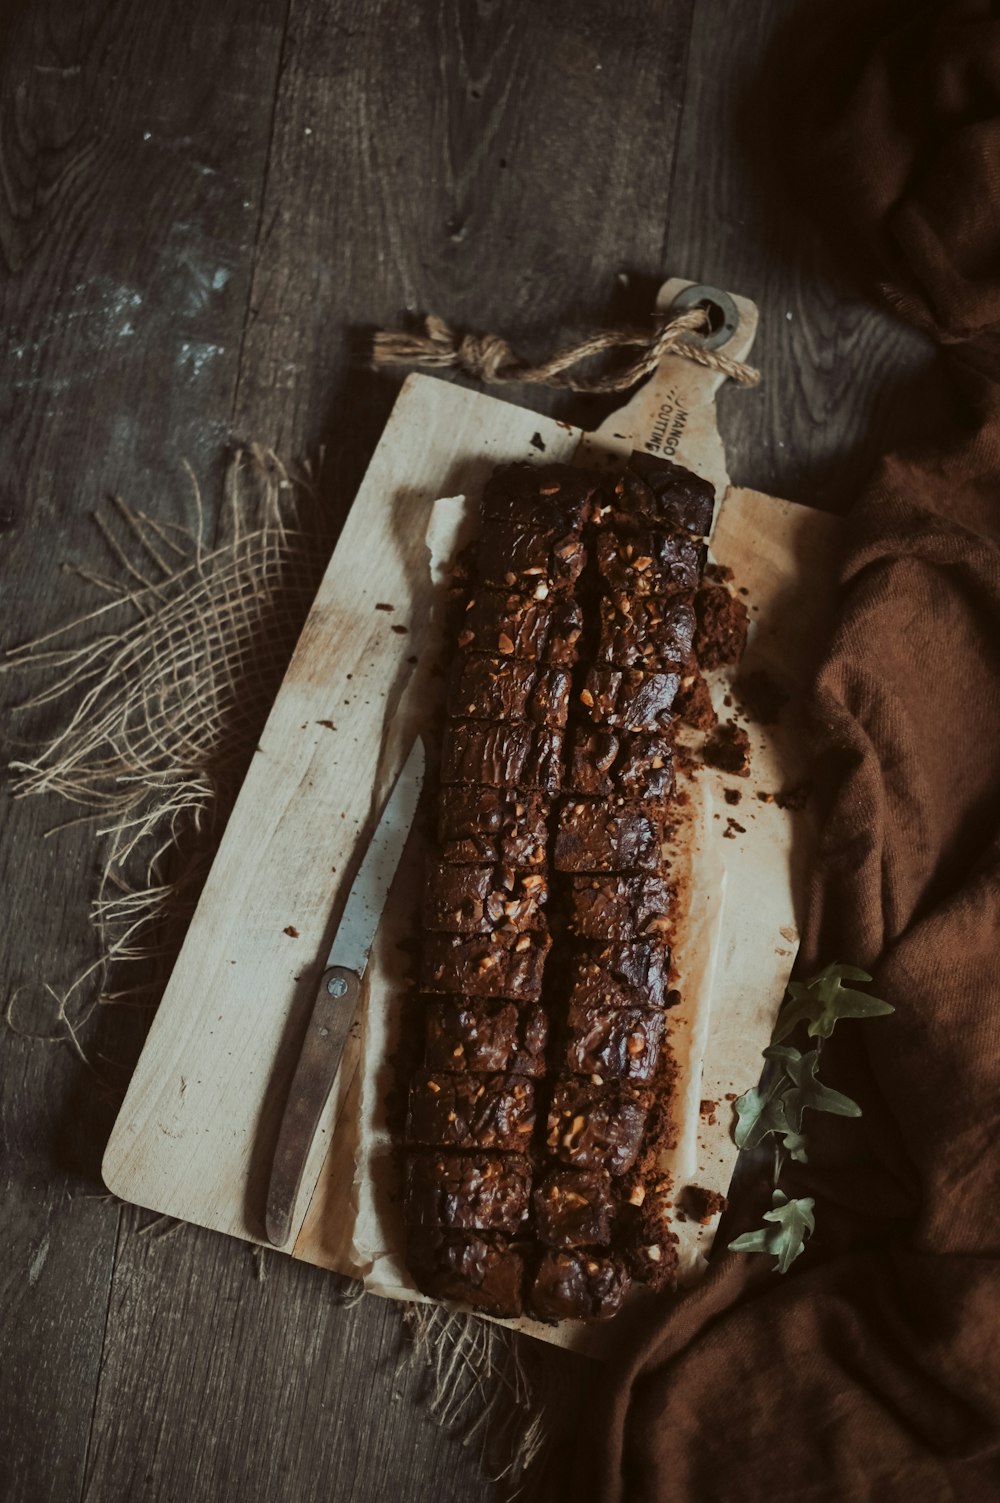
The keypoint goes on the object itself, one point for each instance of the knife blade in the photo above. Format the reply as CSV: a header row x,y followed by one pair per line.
x,y
337,997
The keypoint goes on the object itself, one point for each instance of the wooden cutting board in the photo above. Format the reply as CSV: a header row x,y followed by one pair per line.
x,y
195,1134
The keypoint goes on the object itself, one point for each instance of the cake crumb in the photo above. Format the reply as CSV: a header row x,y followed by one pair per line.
x,y
728,748
702,1204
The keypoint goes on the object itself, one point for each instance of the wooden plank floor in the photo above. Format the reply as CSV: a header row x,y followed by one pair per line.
x,y
203,207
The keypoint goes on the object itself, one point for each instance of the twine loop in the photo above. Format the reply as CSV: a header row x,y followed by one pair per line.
x,y
490,359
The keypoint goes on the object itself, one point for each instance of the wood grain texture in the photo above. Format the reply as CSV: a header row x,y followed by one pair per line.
x,y
329,166
218,1386
132,151
465,159
839,375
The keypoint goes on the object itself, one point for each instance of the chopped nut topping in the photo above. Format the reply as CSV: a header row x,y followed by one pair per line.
x,y
504,643
637,1196
432,1085
524,943
465,637
541,591
653,1253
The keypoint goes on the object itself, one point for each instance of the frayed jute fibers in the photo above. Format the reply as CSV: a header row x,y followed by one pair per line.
x,y
160,693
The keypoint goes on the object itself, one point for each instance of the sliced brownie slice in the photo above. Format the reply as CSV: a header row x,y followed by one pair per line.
x,y
606,1042
597,1127
613,907
512,756
475,1192
486,1273
634,974
486,965
609,764
665,493
595,835
578,1285
627,699
501,689
635,561
536,560
652,634
465,1033
516,626
540,494
476,899
470,1111
574,1208
486,826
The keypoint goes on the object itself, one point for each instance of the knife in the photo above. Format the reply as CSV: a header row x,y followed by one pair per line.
x,y
337,997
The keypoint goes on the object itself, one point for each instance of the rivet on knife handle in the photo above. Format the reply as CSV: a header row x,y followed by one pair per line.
x,y
332,1015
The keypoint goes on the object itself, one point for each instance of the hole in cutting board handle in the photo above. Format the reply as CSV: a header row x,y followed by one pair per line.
x,y
723,314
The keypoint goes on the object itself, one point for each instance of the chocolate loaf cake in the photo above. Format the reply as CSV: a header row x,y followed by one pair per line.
x,y
545,967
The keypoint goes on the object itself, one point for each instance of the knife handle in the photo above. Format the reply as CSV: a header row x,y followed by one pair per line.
x,y
329,1024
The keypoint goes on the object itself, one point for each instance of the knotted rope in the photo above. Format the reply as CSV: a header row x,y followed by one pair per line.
x,y
490,359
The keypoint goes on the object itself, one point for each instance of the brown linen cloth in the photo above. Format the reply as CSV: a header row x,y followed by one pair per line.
x,y
871,1370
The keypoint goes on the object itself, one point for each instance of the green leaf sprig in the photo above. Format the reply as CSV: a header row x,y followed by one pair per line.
x,y
776,1108
792,1222
824,999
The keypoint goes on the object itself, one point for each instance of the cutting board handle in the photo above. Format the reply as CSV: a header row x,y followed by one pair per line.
x,y
673,413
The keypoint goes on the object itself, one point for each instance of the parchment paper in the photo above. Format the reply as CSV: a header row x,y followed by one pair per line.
x,y
698,868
